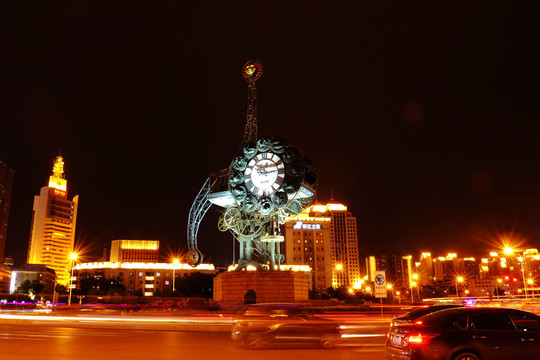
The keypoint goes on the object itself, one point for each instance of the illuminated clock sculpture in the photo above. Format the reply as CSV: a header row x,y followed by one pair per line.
x,y
268,181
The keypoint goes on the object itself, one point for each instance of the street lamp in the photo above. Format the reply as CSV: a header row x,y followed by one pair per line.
x,y
389,287
336,282
73,257
510,251
459,279
496,288
531,283
417,284
175,263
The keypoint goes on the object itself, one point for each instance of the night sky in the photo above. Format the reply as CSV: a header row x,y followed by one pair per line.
x,y
422,117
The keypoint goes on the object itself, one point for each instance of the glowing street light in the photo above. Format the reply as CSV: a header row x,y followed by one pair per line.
x,y
389,287
336,276
521,258
496,288
530,282
459,279
175,264
73,257
417,284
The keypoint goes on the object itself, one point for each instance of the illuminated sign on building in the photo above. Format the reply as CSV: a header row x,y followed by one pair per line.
x,y
60,192
301,225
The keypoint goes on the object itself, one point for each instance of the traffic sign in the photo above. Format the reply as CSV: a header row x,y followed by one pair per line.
x,y
380,284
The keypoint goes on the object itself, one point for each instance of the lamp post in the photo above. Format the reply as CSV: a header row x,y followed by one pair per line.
x,y
417,284
389,287
175,263
496,288
510,251
459,279
73,257
531,283
336,281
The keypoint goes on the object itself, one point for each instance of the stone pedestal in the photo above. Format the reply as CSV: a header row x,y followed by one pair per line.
x,y
269,286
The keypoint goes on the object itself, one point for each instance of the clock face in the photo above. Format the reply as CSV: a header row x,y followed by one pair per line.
x,y
264,174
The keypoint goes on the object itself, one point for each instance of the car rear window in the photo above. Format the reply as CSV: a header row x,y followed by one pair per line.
x,y
446,316
490,321
525,322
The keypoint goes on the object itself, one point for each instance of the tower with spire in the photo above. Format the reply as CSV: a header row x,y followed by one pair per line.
x,y
52,233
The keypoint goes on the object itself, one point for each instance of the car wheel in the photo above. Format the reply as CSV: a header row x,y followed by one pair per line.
x,y
466,356
328,342
256,341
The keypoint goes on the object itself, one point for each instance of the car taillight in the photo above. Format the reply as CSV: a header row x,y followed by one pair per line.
x,y
421,338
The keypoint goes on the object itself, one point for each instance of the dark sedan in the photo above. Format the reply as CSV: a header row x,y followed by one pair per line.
x,y
467,334
261,325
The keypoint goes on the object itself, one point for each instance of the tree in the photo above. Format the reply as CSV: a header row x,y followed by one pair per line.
x,y
101,286
30,287
196,285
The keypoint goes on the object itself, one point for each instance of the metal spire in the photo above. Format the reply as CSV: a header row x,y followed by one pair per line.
x,y
251,71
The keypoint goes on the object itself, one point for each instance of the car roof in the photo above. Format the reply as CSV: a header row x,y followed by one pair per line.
x,y
273,308
457,313
416,313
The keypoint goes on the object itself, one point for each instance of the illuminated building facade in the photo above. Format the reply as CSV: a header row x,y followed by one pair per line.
x,y
469,267
445,269
307,242
6,188
145,251
378,263
5,279
404,272
425,268
149,278
325,238
134,264
32,272
52,231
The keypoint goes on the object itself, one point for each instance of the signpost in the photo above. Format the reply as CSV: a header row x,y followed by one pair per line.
x,y
380,286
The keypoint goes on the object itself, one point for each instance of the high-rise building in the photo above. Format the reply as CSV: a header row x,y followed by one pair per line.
x,y
403,266
6,188
325,238
378,263
425,269
52,233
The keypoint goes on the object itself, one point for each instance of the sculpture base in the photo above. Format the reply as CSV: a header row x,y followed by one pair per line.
x,y
287,286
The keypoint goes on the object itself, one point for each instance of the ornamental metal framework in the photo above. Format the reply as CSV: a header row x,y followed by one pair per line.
x,y
268,181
